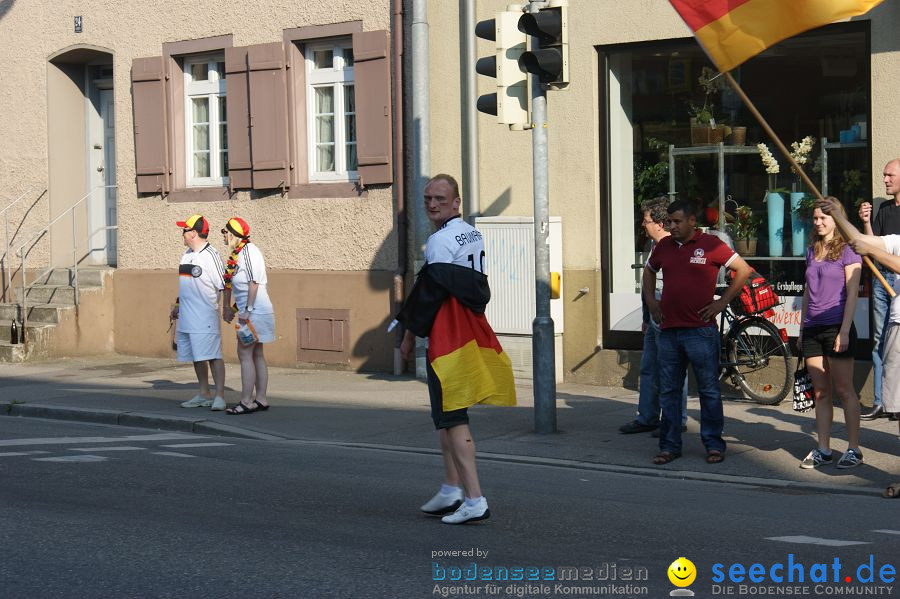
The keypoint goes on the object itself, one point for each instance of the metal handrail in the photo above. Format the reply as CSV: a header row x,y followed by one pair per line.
x,y
34,239
5,214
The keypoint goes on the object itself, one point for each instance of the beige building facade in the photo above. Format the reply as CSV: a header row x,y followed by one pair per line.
x,y
123,119
288,116
621,132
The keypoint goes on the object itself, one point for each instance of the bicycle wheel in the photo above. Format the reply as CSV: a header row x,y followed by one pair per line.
x,y
761,360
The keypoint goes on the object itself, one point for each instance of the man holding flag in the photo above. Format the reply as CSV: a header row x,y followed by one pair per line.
x,y
466,364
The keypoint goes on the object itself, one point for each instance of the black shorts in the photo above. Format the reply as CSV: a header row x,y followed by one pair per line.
x,y
819,341
441,418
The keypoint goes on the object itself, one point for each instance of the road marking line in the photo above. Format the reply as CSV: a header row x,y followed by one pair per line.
x,y
72,440
73,458
817,541
14,453
184,445
174,454
122,448
883,530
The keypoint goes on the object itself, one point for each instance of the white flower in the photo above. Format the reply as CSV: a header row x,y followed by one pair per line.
x,y
800,151
768,160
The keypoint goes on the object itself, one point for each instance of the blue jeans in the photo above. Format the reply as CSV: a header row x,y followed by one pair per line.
x,y
881,312
648,398
698,347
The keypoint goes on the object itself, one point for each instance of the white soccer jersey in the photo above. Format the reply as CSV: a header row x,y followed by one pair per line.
x,y
892,245
251,267
200,281
457,242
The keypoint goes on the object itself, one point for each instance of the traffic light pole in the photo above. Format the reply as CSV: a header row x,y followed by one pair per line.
x,y
542,344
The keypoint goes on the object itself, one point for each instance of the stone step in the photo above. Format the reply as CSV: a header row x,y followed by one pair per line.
x,y
35,329
88,276
11,353
49,294
36,347
44,313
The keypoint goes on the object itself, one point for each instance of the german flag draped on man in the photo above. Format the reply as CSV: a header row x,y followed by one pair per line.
x,y
447,305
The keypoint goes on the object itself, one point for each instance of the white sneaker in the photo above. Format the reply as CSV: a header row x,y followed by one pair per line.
x,y
442,504
466,513
198,401
218,404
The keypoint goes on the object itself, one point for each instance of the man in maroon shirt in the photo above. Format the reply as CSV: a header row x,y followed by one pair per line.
x,y
690,260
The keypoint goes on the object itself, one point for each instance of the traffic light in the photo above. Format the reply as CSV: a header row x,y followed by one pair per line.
x,y
510,103
550,60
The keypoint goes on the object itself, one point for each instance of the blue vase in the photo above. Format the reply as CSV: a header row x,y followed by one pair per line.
x,y
775,208
799,226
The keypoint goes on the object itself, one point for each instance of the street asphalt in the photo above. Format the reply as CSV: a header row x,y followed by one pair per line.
x,y
114,512
765,443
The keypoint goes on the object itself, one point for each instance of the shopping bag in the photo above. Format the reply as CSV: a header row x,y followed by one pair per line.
x,y
803,389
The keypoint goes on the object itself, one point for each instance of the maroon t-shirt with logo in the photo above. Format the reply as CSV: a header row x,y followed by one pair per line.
x,y
689,277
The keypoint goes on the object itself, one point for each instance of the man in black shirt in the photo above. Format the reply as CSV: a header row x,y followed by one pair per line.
x,y
887,222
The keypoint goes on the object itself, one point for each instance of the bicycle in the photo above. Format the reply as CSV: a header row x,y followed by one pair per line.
x,y
755,355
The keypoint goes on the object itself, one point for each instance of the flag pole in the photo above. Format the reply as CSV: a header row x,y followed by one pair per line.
x,y
812,186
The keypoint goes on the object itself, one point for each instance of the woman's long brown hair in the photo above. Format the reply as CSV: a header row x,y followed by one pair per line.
x,y
830,250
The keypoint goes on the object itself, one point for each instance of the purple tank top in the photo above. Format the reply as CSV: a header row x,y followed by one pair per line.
x,y
827,287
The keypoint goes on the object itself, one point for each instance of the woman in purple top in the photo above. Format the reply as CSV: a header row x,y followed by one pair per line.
x,y
828,337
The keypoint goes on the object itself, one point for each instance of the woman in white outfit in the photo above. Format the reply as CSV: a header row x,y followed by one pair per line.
x,y
245,281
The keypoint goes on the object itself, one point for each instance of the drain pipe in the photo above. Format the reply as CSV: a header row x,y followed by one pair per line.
x,y
471,188
421,134
399,179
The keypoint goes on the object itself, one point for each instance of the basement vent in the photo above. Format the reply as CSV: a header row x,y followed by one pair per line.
x,y
323,336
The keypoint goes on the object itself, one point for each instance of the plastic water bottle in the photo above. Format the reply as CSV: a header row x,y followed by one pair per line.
x,y
245,334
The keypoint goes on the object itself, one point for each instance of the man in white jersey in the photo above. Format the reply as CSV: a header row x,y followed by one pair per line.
x,y
198,336
459,499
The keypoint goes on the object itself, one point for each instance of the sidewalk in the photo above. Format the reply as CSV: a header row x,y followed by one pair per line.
x,y
765,444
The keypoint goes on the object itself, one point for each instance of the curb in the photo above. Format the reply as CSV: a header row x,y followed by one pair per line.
x,y
208,427
732,479
135,419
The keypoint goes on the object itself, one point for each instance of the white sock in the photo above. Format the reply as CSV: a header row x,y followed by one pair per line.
x,y
449,489
472,502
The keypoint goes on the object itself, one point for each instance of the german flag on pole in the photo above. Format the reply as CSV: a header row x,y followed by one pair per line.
x,y
467,358
732,31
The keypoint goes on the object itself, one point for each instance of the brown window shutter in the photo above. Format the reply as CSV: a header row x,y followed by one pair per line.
x,y
268,115
237,90
151,153
372,77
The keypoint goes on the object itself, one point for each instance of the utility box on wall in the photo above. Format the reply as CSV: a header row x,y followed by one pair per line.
x,y
509,265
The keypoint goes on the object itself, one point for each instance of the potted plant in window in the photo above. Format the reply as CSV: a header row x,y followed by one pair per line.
x,y
800,218
774,202
704,128
851,187
744,228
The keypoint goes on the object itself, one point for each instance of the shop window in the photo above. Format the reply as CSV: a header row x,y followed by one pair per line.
x,y
674,129
331,117
205,121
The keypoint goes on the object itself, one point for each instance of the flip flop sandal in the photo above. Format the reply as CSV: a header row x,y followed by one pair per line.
x,y
892,491
715,457
260,407
241,408
664,457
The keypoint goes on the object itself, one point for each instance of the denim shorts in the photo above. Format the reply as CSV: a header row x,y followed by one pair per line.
x,y
819,341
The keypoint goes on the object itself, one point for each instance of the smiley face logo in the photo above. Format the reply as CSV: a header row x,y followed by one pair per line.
x,y
682,572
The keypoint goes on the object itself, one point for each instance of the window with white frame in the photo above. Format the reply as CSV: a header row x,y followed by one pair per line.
x,y
331,112
206,140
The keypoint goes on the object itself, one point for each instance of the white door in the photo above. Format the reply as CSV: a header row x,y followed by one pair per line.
x,y
102,202
108,116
